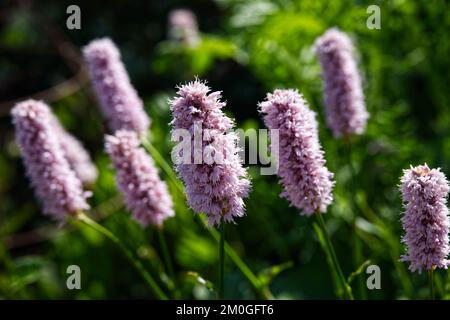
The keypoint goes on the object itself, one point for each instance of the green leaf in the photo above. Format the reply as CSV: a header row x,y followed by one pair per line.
x,y
26,271
358,271
267,275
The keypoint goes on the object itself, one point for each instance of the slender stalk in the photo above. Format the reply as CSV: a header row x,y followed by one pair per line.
x,y
431,283
221,286
336,281
165,251
83,218
347,291
167,260
357,250
161,161
261,290
439,289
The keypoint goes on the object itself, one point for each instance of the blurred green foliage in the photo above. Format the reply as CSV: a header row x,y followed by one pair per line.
x,y
248,47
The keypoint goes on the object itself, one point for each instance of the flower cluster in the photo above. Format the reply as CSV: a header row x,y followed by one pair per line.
x,y
183,27
78,158
344,99
55,183
119,101
145,194
425,219
216,189
307,182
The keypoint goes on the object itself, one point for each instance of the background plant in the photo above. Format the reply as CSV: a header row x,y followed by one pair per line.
x,y
248,48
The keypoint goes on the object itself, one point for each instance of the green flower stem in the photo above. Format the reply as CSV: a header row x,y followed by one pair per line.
x,y
83,218
262,291
431,282
335,277
161,161
221,285
357,249
240,264
165,251
167,260
335,266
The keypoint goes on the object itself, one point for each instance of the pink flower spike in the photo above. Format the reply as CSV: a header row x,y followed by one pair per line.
x,y
183,27
425,220
306,181
146,196
118,99
78,158
56,185
216,188
344,99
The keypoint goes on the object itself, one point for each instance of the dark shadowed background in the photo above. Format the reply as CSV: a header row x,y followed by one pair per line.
x,y
247,48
